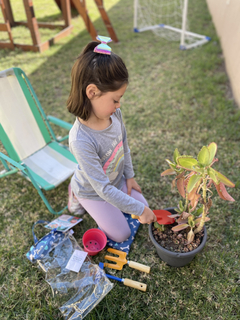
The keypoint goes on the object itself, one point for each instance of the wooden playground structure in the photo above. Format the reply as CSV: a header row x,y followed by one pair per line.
x,y
33,25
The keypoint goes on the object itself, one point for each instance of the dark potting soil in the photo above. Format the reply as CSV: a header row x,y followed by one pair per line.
x,y
176,241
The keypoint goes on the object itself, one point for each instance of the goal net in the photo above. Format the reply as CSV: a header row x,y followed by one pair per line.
x,y
167,19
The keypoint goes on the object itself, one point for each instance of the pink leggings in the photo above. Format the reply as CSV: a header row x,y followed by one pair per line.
x,y
109,218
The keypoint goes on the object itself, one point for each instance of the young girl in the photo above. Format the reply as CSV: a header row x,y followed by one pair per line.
x,y
103,183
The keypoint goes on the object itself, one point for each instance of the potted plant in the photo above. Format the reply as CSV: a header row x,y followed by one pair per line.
x,y
194,179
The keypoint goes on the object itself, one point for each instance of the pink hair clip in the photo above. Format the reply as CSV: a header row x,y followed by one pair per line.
x,y
103,47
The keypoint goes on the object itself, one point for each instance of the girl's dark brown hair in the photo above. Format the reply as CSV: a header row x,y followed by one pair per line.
x,y
107,72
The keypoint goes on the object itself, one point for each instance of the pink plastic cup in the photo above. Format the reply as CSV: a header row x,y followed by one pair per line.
x,y
94,240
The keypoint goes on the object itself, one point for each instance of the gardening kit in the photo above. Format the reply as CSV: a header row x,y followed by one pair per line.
x,y
89,283
69,267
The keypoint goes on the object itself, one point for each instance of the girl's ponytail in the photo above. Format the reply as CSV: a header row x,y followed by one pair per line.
x,y
90,47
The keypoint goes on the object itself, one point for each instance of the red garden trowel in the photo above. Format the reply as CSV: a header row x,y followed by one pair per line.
x,y
162,217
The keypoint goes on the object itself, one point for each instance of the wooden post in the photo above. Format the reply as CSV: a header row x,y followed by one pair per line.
x,y
65,5
106,20
6,27
9,13
32,22
81,8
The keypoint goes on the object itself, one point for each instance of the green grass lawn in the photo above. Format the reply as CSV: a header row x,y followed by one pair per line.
x,y
175,99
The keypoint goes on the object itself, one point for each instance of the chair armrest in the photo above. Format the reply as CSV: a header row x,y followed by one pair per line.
x,y
60,123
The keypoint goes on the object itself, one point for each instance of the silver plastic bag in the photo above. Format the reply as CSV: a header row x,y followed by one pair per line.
x,y
76,293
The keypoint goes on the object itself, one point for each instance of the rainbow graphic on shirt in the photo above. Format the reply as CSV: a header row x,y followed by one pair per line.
x,y
112,165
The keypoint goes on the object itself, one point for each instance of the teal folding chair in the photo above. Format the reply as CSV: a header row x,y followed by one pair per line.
x,y
26,134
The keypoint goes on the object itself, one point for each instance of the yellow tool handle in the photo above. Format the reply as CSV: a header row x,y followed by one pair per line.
x,y
134,216
135,284
139,266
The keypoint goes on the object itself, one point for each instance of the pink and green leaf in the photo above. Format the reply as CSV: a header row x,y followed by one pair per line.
x,y
185,215
181,221
212,175
194,197
191,173
212,150
223,179
198,220
204,157
176,154
192,194
195,200
173,184
193,181
223,192
172,165
180,186
180,227
190,236
174,215
187,162
168,172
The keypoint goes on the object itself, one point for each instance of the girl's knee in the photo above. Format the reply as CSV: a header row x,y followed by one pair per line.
x,y
121,236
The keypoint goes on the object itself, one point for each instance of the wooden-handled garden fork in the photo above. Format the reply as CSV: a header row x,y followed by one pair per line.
x,y
121,261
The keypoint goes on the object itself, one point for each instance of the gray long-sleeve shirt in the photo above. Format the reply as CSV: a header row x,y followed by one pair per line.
x,y
104,161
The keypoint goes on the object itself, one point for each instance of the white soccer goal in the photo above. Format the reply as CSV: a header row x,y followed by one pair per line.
x,y
167,19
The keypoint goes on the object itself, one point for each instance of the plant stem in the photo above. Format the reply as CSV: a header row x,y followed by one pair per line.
x,y
204,213
186,203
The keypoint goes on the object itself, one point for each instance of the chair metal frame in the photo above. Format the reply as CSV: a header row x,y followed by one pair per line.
x,y
11,166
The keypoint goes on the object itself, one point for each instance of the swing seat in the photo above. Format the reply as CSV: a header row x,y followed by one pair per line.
x,y
32,148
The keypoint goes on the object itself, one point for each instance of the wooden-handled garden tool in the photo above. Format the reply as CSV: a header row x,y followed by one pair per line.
x,y
127,282
121,261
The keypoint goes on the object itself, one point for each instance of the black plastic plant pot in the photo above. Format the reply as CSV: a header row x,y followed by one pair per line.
x,y
176,259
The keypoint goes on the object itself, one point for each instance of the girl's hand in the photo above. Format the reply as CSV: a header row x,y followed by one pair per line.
x,y
132,184
147,216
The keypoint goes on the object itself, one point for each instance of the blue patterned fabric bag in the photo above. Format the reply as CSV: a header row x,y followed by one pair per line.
x,y
43,246
125,245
